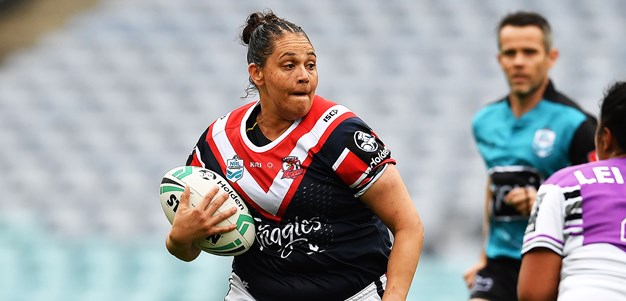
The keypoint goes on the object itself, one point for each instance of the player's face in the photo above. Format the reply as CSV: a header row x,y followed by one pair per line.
x,y
288,80
524,59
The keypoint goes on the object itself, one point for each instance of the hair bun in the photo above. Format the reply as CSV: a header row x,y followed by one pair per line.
x,y
255,20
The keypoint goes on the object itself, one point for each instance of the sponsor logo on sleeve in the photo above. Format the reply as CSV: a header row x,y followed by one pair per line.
x,y
330,115
380,157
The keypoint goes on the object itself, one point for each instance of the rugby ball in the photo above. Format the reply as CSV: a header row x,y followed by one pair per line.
x,y
200,180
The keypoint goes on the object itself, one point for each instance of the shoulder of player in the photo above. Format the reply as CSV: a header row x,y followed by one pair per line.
x,y
567,175
570,116
322,107
556,97
324,114
490,110
229,120
493,105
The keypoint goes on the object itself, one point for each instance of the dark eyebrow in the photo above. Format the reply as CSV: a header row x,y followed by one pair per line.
x,y
311,52
286,54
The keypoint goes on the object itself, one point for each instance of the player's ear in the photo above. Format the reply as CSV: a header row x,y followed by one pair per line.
x,y
553,55
499,58
256,74
607,139
604,143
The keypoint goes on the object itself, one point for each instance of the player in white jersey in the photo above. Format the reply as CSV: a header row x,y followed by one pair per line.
x,y
575,243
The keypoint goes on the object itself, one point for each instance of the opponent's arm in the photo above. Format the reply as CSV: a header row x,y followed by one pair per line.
x,y
539,275
389,199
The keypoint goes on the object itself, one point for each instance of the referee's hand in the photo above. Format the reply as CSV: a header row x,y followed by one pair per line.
x,y
522,198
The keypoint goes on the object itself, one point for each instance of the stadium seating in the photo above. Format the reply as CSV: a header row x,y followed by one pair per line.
x,y
94,114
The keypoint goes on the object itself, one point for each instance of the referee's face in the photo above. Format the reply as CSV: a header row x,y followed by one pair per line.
x,y
524,58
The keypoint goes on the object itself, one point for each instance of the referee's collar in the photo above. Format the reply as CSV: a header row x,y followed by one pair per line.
x,y
550,92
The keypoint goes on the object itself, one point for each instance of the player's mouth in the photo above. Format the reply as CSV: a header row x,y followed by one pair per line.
x,y
518,78
300,93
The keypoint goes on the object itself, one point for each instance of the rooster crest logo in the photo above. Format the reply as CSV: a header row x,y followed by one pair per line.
x,y
292,167
366,142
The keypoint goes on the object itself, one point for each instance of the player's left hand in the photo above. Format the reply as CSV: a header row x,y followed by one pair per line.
x,y
522,198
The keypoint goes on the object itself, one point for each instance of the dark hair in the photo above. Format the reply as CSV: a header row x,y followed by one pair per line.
x,y
259,33
613,112
524,18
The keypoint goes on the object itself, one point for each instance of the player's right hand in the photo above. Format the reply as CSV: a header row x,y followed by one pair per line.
x,y
522,198
470,274
193,223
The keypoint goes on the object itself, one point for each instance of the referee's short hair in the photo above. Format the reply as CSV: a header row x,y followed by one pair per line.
x,y
526,18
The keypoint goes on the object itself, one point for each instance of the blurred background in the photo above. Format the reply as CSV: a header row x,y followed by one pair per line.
x,y
98,99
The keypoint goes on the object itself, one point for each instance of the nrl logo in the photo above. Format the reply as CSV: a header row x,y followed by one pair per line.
x,y
234,169
291,167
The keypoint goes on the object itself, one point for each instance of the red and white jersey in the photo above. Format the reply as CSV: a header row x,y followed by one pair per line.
x,y
314,238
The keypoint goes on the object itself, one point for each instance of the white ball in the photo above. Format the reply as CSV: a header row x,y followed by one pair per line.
x,y
200,180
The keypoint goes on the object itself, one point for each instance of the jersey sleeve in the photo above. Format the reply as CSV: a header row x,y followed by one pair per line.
x,y
201,147
545,225
357,155
582,148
